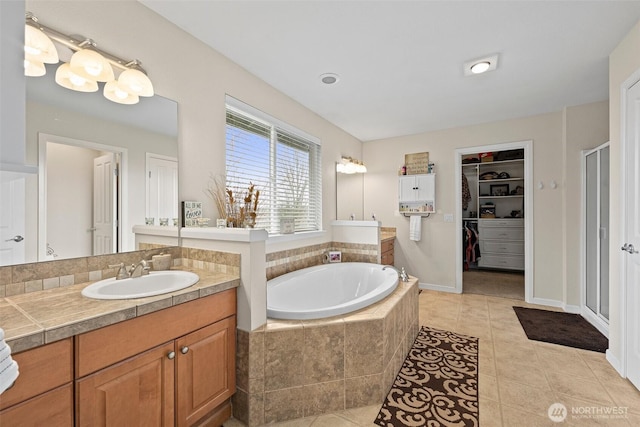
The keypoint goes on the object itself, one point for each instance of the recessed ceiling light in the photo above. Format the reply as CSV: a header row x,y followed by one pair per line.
x,y
480,65
329,78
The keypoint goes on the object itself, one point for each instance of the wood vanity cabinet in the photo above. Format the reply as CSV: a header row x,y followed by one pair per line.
x,y
386,252
172,367
43,392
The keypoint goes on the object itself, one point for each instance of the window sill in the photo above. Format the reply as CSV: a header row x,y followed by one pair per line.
x,y
283,238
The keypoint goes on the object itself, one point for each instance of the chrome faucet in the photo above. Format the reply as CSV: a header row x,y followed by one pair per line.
x,y
139,269
122,271
136,270
402,275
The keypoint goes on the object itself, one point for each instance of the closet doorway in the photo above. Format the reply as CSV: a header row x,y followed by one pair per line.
x,y
494,203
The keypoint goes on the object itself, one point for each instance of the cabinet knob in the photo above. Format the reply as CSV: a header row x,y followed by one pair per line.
x,y
184,350
171,355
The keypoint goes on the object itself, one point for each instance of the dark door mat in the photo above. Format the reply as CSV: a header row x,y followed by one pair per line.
x,y
556,327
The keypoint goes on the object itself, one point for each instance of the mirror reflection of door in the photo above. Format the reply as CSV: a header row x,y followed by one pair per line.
x,y
105,175
79,193
12,218
162,187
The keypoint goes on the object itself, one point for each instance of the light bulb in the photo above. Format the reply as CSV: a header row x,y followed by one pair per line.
x,y
76,79
33,68
480,67
120,93
30,50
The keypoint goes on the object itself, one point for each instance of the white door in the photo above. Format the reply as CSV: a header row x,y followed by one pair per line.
x,y
104,204
12,218
162,187
631,238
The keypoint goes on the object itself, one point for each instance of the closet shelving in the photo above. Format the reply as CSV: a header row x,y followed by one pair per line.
x,y
481,189
497,207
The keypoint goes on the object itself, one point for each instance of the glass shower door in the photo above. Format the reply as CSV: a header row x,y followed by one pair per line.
x,y
596,234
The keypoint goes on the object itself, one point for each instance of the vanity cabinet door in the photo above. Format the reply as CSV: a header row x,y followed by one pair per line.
x,y
135,392
51,409
205,370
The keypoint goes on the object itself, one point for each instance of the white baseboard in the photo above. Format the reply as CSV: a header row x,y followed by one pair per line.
x,y
613,360
547,302
441,288
570,308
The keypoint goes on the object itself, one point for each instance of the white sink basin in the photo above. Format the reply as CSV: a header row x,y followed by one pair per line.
x,y
155,283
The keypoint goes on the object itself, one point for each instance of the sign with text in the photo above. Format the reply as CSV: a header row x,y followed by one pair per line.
x,y
417,163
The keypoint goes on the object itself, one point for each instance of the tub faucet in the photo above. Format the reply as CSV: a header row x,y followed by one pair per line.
x,y
402,275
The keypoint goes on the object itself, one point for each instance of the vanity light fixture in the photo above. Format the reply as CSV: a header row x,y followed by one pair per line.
x,y
350,165
88,65
67,78
480,65
38,50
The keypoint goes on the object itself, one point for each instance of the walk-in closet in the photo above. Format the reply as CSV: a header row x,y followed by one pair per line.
x,y
493,228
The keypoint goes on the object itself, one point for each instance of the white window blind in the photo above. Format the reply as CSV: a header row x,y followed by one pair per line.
x,y
283,164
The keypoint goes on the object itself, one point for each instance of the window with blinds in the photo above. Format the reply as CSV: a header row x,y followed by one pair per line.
x,y
281,162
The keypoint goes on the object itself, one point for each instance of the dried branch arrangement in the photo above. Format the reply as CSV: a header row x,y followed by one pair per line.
x,y
216,191
238,210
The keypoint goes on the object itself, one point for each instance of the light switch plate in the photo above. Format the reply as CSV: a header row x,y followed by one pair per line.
x,y
448,217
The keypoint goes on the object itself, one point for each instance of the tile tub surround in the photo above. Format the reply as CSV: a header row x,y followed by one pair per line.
x,y
291,369
32,277
43,316
282,262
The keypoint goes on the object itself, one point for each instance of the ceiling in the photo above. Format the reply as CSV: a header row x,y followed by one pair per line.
x,y
401,62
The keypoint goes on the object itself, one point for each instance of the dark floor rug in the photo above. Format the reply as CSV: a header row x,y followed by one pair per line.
x,y
437,384
557,327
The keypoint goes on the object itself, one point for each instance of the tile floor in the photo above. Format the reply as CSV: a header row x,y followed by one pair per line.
x,y
519,379
494,283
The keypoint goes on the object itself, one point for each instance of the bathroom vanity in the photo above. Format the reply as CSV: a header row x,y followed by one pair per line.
x,y
171,362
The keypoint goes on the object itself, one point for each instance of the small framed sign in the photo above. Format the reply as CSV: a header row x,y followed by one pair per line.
x,y
191,211
417,163
287,225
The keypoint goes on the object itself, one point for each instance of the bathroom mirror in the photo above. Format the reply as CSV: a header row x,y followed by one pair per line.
x,y
77,205
349,196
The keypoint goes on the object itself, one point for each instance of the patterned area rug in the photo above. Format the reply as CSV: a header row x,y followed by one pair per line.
x,y
437,384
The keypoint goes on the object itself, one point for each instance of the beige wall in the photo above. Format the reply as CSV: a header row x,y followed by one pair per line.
x,y
586,126
432,259
623,62
197,77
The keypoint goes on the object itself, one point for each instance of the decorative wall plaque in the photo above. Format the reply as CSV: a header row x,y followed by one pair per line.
x,y
417,163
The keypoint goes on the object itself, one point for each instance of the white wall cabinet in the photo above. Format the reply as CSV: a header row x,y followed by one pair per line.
x,y
417,193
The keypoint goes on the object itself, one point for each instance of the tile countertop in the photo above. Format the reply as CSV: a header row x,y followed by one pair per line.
x,y
386,235
36,318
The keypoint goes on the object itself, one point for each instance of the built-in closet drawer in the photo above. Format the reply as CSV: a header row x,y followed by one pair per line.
x,y
510,262
499,247
501,223
499,233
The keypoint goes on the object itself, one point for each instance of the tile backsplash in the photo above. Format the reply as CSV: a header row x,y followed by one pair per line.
x,y
32,277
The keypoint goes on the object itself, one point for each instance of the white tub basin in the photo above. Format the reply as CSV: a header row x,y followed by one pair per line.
x,y
155,283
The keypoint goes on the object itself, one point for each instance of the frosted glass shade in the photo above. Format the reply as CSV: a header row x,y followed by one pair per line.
x,y
90,64
135,82
33,68
38,46
113,92
67,78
